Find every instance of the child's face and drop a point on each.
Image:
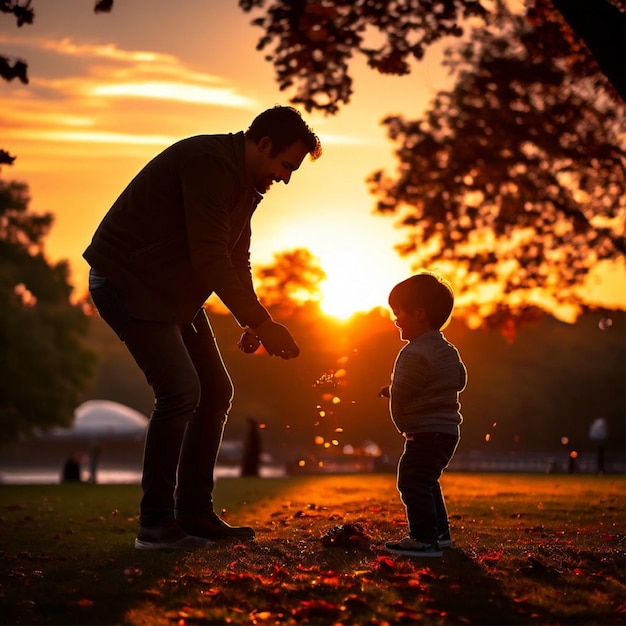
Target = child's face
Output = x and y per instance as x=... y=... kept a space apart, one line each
x=409 y=323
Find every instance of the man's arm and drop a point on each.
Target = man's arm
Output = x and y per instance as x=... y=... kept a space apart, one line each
x=209 y=191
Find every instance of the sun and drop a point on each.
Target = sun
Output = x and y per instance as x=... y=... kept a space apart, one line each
x=341 y=298
x=358 y=258
x=357 y=281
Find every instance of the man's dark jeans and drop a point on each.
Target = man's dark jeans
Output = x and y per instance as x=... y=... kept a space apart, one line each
x=193 y=394
x=425 y=456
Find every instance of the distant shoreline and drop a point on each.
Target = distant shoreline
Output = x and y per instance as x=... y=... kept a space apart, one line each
x=111 y=476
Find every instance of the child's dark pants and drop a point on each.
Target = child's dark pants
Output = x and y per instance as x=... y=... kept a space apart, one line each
x=425 y=456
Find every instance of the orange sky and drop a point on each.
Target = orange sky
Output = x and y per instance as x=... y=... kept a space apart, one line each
x=109 y=91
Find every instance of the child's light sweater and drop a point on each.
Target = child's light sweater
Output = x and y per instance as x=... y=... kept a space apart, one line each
x=427 y=378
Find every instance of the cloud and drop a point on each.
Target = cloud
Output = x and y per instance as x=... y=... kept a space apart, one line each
x=93 y=137
x=92 y=98
x=180 y=92
x=106 y=51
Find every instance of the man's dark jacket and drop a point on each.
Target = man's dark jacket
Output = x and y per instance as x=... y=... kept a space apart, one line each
x=181 y=231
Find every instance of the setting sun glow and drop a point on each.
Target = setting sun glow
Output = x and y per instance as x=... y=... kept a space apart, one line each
x=356 y=282
x=360 y=264
x=346 y=291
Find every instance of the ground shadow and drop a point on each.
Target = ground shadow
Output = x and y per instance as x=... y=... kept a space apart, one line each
x=477 y=596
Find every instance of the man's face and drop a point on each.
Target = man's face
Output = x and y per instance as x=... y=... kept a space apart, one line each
x=274 y=168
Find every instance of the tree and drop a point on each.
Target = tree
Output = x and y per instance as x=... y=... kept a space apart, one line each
x=515 y=177
x=10 y=69
x=292 y=280
x=43 y=362
x=315 y=40
x=24 y=13
x=601 y=26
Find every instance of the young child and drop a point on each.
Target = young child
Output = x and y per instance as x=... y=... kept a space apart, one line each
x=427 y=378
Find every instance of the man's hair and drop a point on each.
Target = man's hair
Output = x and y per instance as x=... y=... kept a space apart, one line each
x=427 y=291
x=284 y=126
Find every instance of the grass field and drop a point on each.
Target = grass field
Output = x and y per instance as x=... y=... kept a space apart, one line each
x=530 y=549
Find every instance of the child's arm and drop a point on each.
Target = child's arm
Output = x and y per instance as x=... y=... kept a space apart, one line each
x=383 y=392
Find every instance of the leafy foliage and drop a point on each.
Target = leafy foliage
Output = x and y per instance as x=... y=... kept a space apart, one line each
x=24 y=13
x=293 y=279
x=10 y=71
x=602 y=30
x=516 y=176
x=6 y=158
x=44 y=365
x=314 y=40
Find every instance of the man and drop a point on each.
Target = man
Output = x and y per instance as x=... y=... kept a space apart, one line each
x=179 y=232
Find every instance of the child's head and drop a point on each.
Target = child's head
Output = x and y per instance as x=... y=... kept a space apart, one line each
x=425 y=291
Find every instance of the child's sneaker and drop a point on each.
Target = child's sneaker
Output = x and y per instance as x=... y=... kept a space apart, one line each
x=444 y=540
x=412 y=547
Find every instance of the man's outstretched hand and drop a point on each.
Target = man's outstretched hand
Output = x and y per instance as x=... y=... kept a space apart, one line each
x=277 y=340
x=248 y=342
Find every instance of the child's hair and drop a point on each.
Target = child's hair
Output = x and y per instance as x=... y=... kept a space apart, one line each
x=427 y=291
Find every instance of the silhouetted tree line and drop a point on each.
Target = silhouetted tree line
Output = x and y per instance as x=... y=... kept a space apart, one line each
x=44 y=363
x=551 y=382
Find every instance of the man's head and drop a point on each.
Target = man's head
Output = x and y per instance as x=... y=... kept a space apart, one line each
x=284 y=126
x=424 y=299
x=276 y=143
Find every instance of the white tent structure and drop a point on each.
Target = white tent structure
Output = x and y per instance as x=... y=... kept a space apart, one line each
x=106 y=439
x=104 y=419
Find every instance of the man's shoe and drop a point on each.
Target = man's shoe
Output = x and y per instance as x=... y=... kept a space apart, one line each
x=213 y=528
x=412 y=547
x=444 y=540
x=167 y=535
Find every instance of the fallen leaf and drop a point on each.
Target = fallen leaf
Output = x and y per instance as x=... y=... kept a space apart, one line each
x=384 y=562
x=345 y=536
x=355 y=602
x=302 y=568
x=212 y=591
x=317 y=608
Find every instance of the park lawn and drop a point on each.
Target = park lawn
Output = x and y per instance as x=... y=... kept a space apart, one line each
x=530 y=549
